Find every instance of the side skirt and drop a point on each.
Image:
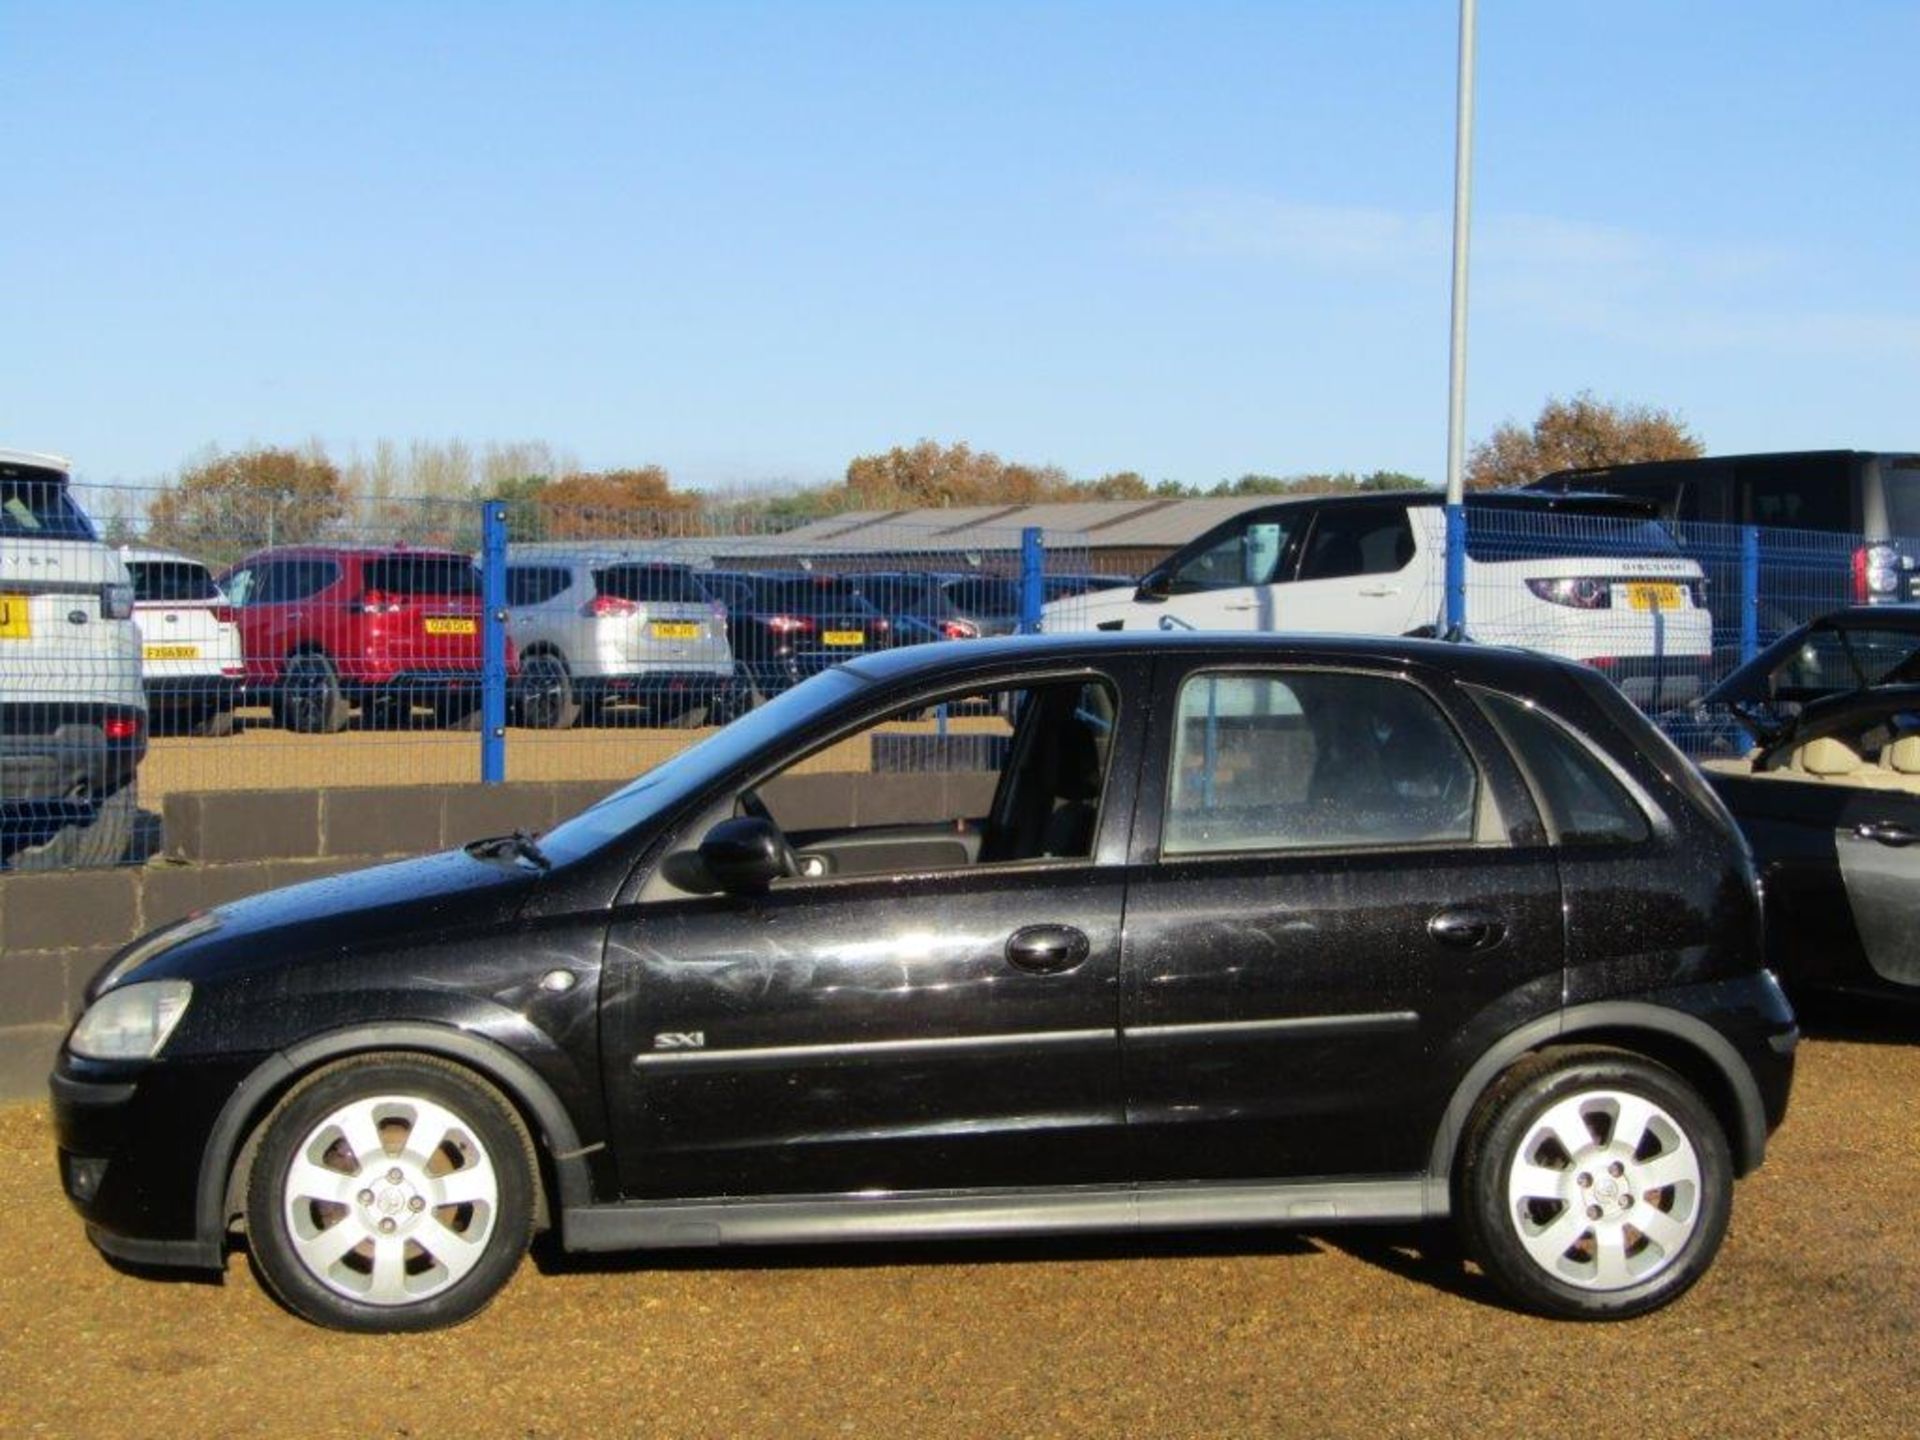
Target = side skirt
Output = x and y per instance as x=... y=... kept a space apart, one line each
x=975 y=1214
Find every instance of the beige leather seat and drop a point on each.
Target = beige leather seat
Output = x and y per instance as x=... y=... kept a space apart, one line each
x=1826 y=758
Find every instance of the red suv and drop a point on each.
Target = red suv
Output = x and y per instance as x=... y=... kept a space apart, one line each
x=326 y=627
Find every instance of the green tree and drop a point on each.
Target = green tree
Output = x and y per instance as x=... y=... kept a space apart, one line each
x=227 y=504
x=1578 y=434
x=1342 y=482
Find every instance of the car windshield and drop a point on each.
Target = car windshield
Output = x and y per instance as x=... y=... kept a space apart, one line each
x=35 y=503
x=1829 y=661
x=674 y=781
x=806 y=594
x=1498 y=531
x=1900 y=475
x=422 y=575
x=165 y=581
x=985 y=597
x=660 y=584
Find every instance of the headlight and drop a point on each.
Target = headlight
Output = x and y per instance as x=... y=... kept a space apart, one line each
x=131 y=1023
x=165 y=938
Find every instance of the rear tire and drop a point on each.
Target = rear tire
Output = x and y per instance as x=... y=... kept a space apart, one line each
x=310 y=701
x=1594 y=1184
x=391 y=1193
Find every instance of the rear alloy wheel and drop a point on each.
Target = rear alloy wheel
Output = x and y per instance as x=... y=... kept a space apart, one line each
x=310 y=702
x=1597 y=1185
x=546 y=694
x=391 y=1193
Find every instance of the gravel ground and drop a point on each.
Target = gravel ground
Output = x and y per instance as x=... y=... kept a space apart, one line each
x=1806 y=1326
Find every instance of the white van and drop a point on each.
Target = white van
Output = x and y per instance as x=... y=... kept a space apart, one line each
x=73 y=716
x=1590 y=578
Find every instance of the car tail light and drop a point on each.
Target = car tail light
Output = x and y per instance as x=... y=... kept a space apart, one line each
x=882 y=624
x=378 y=602
x=959 y=630
x=1876 y=575
x=1697 y=593
x=122 y=727
x=222 y=614
x=719 y=612
x=789 y=624
x=1581 y=592
x=603 y=607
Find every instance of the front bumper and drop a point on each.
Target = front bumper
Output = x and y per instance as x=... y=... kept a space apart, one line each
x=132 y=1142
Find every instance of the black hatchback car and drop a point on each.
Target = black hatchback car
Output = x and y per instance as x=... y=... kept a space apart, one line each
x=1192 y=930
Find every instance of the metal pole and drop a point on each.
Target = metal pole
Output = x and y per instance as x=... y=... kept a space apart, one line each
x=1456 y=599
x=1033 y=569
x=493 y=642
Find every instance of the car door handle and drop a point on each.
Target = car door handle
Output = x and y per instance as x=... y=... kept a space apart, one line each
x=1047 y=949
x=1886 y=832
x=1380 y=591
x=1466 y=929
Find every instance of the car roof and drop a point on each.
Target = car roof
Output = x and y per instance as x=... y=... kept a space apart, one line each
x=37 y=460
x=355 y=552
x=1496 y=664
x=1506 y=499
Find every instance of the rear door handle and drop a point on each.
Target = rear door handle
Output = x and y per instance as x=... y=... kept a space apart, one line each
x=1382 y=590
x=1047 y=949
x=1886 y=832
x=1467 y=929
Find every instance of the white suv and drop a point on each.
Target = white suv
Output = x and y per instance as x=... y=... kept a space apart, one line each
x=190 y=653
x=73 y=718
x=1590 y=578
x=597 y=627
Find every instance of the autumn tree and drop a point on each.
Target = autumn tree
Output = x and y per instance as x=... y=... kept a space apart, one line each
x=1578 y=434
x=226 y=504
x=615 y=505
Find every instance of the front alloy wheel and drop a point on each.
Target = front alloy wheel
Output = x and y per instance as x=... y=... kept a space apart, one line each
x=391 y=1194
x=1597 y=1185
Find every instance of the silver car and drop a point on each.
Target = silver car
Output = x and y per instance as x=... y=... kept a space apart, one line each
x=601 y=628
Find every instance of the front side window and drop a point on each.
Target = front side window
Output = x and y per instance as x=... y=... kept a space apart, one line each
x=1252 y=552
x=1314 y=760
x=1582 y=801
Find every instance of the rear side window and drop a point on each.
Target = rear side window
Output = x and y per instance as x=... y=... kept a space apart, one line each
x=1900 y=478
x=1799 y=492
x=1314 y=760
x=421 y=575
x=1582 y=802
x=167 y=581
x=284 y=580
x=534 y=584
x=35 y=503
x=659 y=584
x=1357 y=540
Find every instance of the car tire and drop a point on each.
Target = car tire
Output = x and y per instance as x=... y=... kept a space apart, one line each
x=102 y=840
x=1594 y=1184
x=547 y=700
x=310 y=701
x=343 y=1242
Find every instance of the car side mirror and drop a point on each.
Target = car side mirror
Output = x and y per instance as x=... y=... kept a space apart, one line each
x=746 y=854
x=1153 y=586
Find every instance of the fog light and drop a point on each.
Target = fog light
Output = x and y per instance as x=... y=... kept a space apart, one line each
x=81 y=1176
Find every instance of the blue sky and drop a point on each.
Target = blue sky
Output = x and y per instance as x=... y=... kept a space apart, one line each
x=750 y=241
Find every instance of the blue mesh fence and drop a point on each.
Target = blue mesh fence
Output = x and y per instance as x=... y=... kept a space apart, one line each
x=155 y=646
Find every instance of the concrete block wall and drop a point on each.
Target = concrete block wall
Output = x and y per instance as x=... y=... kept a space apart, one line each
x=57 y=930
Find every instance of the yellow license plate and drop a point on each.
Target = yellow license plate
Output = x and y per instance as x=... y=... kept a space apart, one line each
x=845 y=637
x=15 y=622
x=447 y=625
x=1653 y=597
x=675 y=630
x=171 y=652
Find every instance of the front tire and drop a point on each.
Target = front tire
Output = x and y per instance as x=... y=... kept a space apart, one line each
x=1594 y=1185
x=390 y=1193
x=310 y=701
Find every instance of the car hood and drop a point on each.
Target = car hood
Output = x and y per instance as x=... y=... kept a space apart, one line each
x=1097 y=609
x=436 y=894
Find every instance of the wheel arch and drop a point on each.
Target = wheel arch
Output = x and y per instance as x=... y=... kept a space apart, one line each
x=1688 y=1046
x=563 y=1183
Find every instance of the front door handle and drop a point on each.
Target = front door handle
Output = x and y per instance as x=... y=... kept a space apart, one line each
x=1378 y=591
x=1887 y=832
x=1467 y=929
x=1047 y=949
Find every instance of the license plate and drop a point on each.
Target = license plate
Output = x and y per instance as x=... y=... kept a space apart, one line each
x=844 y=638
x=675 y=630
x=171 y=652
x=447 y=625
x=1653 y=597
x=15 y=623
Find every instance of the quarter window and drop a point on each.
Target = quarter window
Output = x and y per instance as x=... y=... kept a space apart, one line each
x=1314 y=760
x=1583 y=803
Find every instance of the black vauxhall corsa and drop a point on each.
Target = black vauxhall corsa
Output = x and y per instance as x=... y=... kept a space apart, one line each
x=1190 y=930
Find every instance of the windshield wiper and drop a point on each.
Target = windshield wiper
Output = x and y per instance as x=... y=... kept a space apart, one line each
x=520 y=844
